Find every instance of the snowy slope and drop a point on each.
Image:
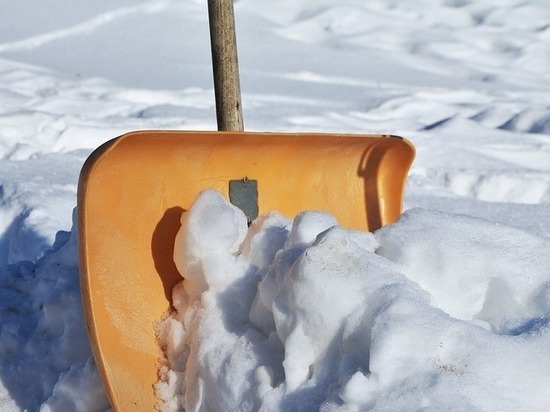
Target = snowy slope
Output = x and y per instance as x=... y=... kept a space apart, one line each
x=466 y=81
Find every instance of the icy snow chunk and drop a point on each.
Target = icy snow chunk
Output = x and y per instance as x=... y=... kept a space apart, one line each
x=306 y=227
x=266 y=236
x=212 y=231
x=329 y=283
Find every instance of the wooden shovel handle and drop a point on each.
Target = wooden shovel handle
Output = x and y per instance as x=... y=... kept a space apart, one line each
x=225 y=65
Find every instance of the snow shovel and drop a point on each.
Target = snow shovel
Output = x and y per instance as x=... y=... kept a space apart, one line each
x=133 y=190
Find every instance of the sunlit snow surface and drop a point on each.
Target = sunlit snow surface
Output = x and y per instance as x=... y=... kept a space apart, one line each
x=458 y=307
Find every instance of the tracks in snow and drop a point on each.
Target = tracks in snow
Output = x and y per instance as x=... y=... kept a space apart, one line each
x=84 y=27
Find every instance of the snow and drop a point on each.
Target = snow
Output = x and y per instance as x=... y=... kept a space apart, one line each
x=436 y=311
x=447 y=309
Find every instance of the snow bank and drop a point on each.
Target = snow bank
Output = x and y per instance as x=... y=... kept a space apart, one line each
x=45 y=355
x=437 y=311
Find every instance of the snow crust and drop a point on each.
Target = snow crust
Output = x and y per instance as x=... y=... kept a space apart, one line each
x=434 y=312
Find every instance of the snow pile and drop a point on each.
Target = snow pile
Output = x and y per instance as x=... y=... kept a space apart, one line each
x=437 y=311
x=44 y=347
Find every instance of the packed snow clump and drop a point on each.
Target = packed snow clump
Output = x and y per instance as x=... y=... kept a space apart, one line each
x=436 y=312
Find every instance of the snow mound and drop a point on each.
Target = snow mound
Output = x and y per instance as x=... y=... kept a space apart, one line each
x=45 y=356
x=436 y=311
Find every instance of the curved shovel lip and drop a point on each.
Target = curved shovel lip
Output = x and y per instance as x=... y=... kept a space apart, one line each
x=85 y=290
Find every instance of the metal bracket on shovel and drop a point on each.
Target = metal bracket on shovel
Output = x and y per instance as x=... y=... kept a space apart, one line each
x=243 y=193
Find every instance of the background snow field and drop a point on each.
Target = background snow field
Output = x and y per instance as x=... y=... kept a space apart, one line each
x=447 y=309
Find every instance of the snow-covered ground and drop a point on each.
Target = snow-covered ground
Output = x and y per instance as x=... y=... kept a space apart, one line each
x=467 y=81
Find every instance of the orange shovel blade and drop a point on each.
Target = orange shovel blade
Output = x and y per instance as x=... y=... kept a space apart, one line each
x=132 y=192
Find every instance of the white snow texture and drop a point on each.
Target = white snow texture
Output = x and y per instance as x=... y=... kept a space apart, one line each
x=445 y=310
